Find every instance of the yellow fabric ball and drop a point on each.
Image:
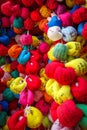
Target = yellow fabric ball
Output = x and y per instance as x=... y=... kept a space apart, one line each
x=50 y=54
x=63 y=94
x=74 y=48
x=47 y=40
x=34 y=117
x=18 y=85
x=79 y=65
x=45 y=12
x=70 y=3
x=35 y=41
x=52 y=86
x=7 y=68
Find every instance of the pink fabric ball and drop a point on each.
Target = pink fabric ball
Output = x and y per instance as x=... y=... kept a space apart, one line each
x=66 y=19
x=26 y=97
x=61 y=8
x=24 y=13
x=26 y=39
x=44 y=47
x=5 y=22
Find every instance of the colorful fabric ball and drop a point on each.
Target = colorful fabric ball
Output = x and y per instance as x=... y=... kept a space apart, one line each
x=66 y=116
x=65 y=75
x=8 y=95
x=33 y=82
x=79 y=90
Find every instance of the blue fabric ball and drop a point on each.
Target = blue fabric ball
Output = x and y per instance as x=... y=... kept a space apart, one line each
x=4 y=105
x=23 y=57
x=80 y=28
x=5 y=40
x=10 y=33
x=75 y=7
x=55 y=22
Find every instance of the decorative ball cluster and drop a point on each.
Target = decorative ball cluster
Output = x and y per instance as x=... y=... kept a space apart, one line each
x=43 y=64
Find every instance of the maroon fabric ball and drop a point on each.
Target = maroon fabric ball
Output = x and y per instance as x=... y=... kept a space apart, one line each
x=28 y=2
x=28 y=24
x=3 y=50
x=14 y=65
x=13 y=105
x=1 y=72
x=52 y=4
x=43 y=106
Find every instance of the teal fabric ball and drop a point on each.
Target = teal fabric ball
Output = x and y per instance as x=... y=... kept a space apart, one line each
x=3 y=118
x=15 y=74
x=8 y=95
x=60 y=52
x=18 y=22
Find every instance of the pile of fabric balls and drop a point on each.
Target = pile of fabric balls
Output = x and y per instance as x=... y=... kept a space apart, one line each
x=43 y=64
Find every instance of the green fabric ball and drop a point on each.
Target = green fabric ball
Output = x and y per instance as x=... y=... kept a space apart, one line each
x=83 y=121
x=18 y=22
x=3 y=117
x=8 y=95
x=15 y=74
x=2 y=61
x=60 y=52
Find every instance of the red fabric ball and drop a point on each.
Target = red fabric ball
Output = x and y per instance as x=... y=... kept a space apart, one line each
x=79 y=90
x=3 y=50
x=6 y=8
x=52 y=4
x=35 y=16
x=25 y=13
x=43 y=106
x=14 y=65
x=5 y=22
x=35 y=55
x=17 y=121
x=28 y=2
x=13 y=105
x=65 y=76
x=1 y=72
x=78 y=16
x=40 y=2
x=53 y=110
x=32 y=67
x=44 y=47
x=51 y=67
x=68 y=114
x=16 y=10
x=33 y=82
x=28 y=24
x=84 y=31
x=21 y=68
x=2 y=86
